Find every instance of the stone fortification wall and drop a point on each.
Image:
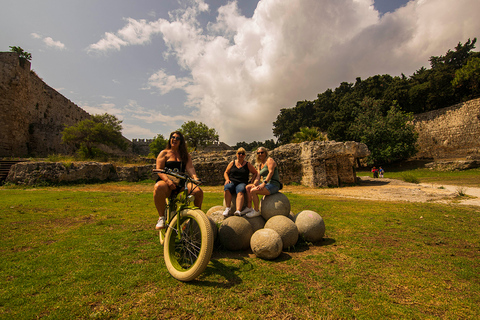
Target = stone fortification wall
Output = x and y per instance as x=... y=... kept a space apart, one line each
x=141 y=146
x=32 y=113
x=314 y=164
x=451 y=132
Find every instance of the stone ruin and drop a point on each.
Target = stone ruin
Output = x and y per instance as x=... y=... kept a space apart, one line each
x=313 y=164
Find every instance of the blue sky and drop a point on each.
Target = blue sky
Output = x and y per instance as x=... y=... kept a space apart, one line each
x=231 y=65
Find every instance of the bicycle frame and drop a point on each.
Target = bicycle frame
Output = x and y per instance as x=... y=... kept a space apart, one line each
x=181 y=200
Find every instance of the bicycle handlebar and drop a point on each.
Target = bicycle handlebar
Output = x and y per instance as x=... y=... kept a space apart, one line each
x=177 y=174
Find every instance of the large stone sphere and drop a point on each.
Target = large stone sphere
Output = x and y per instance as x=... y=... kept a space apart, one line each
x=235 y=233
x=286 y=229
x=217 y=216
x=266 y=244
x=233 y=205
x=276 y=204
x=213 y=224
x=311 y=226
x=257 y=223
x=214 y=209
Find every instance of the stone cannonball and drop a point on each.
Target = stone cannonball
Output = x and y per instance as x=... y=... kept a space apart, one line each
x=257 y=223
x=217 y=216
x=214 y=228
x=286 y=229
x=214 y=209
x=235 y=233
x=276 y=204
x=311 y=226
x=266 y=244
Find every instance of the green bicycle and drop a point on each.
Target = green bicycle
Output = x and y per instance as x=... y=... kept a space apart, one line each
x=187 y=238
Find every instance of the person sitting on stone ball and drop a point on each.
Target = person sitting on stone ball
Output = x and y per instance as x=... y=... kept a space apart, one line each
x=268 y=170
x=236 y=179
x=175 y=156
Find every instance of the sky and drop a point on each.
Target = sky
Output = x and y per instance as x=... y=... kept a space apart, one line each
x=231 y=65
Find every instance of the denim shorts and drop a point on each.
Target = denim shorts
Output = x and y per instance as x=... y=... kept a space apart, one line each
x=272 y=188
x=235 y=188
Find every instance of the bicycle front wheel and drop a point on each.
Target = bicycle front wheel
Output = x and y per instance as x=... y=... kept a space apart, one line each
x=188 y=250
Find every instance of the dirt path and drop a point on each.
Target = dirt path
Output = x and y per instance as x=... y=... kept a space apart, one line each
x=385 y=189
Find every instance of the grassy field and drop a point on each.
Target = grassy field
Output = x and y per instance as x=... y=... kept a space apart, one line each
x=467 y=178
x=91 y=252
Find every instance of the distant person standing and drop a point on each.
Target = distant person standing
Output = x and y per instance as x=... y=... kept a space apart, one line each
x=380 y=172
x=375 y=172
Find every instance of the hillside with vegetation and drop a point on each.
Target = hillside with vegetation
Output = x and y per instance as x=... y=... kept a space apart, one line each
x=377 y=111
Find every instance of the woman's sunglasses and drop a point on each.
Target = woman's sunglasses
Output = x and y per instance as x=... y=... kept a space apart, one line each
x=176 y=138
x=241 y=153
x=260 y=152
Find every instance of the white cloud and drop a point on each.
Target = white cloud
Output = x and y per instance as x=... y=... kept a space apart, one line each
x=166 y=83
x=244 y=70
x=49 y=42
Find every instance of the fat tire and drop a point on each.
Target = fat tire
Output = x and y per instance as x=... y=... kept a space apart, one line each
x=161 y=235
x=194 y=223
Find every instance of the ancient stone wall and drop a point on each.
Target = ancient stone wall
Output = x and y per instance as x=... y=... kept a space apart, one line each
x=32 y=113
x=452 y=132
x=314 y=164
x=141 y=146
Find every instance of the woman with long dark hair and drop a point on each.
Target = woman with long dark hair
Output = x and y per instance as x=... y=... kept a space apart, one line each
x=174 y=156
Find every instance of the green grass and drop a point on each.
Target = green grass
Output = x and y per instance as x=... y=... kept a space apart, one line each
x=467 y=178
x=91 y=252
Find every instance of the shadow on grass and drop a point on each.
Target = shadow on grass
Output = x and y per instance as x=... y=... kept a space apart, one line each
x=229 y=273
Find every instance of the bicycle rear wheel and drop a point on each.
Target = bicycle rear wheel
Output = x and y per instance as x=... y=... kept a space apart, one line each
x=187 y=251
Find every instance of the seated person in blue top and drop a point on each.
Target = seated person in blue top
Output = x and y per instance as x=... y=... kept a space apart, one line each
x=236 y=179
x=268 y=170
x=175 y=156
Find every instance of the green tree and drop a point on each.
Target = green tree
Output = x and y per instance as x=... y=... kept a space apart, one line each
x=87 y=134
x=308 y=134
x=389 y=138
x=21 y=53
x=198 y=134
x=469 y=78
x=158 y=144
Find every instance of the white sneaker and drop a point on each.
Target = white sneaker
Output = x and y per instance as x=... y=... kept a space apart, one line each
x=237 y=213
x=253 y=214
x=160 y=223
x=226 y=212
x=246 y=210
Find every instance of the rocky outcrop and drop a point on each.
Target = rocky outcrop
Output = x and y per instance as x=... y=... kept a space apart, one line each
x=314 y=164
x=34 y=173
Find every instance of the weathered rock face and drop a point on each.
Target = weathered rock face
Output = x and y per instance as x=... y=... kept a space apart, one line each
x=314 y=164
x=31 y=173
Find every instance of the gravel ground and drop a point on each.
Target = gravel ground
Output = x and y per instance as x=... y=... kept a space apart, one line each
x=385 y=189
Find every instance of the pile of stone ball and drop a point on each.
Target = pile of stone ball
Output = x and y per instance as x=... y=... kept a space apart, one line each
x=277 y=229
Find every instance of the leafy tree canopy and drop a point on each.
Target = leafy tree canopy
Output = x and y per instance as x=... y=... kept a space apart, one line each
x=158 y=144
x=451 y=79
x=87 y=134
x=198 y=134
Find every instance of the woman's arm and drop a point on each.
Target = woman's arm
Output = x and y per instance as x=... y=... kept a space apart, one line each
x=227 y=172
x=160 y=164
x=191 y=169
x=253 y=171
x=271 y=169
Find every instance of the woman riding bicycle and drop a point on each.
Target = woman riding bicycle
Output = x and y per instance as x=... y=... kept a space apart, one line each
x=175 y=156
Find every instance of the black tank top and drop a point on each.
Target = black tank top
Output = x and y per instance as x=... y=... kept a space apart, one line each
x=179 y=165
x=239 y=175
